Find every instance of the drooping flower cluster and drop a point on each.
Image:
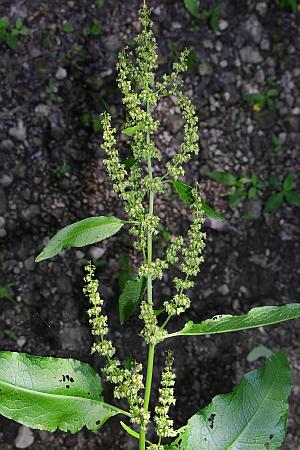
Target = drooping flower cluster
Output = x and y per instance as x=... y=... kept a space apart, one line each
x=128 y=382
x=151 y=332
x=165 y=425
x=193 y=258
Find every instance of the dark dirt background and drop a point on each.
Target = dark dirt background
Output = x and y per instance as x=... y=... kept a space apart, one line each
x=52 y=85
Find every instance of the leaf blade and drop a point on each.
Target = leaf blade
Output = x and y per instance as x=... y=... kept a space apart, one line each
x=254 y=415
x=34 y=392
x=130 y=298
x=256 y=317
x=85 y=232
x=293 y=198
x=184 y=192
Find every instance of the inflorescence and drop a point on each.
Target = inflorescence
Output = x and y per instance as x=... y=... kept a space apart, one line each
x=135 y=185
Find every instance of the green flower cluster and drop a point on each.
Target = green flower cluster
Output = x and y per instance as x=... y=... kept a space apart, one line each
x=128 y=382
x=151 y=332
x=165 y=425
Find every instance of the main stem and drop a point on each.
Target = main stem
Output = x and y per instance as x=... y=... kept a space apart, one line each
x=142 y=442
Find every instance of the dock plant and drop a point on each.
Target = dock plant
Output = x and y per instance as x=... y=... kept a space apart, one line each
x=50 y=393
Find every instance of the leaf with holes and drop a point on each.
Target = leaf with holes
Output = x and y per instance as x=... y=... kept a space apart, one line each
x=130 y=298
x=256 y=317
x=184 y=192
x=51 y=393
x=79 y=234
x=252 y=417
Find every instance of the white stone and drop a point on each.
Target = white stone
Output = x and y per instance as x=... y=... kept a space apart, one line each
x=61 y=74
x=25 y=438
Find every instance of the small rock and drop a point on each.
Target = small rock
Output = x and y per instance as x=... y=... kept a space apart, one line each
x=25 y=438
x=223 y=290
x=2 y=222
x=205 y=70
x=3 y=201
x=253 y=29
x=61 y=74
x=19 y=132
x=223 y=24
x=43 y=110
x=253 y=207
x=250 y=55
x=96 y=253
x=176 y=124
x=6 y=180
x=265 y=119
x=292 y=124
x=7 y=145
x=21 y=341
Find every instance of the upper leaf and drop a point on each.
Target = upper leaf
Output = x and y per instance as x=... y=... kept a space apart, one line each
x=130 y=131
x=51 y=393
x=184 y=192
x=256 y=317
x=130 y=298
x=79 y=234
x=252 y=417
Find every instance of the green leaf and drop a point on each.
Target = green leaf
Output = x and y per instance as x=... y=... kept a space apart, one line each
x=223 y=178
x=129 y=430
x=4 y=23
x=235 y=197
x=214 y=19
x=85 y=232
x=255 y=98
x=289 y=183
x=273 y=203
x=256 y=317
x=293 y=198
x=130 y=131
x=259 y=352
x=275 y=183
x=252 y=193
x=130 y=298
x=192 y=7
x=129 y=162
x=273 y=92
x=51 y=393
x=68 y=27
x=252 y=417
x=184 y=192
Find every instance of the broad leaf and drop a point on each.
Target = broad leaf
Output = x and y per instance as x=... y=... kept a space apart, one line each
x=289 y=182
x=51 y=393
x=79 y=234
x=223 y=178
x=184 y=192
x=252 y=417
x=293 y=198
x=273 y=203
x=130 y=298
x=256 y=317
x=130 y=131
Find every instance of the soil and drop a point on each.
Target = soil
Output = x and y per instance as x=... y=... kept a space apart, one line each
x=53 y=86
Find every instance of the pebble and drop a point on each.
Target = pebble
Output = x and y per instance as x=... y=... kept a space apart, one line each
x=223 y=290
x=96 y=253
x=250 y=55
x=43 y=110
x=205 y=70
x=7 y=145
x=2 y=222
x=19 y=132
x=25 y=438
x=223 y=24
x=61 y=74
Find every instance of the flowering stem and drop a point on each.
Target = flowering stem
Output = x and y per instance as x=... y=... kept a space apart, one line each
x=142 y=443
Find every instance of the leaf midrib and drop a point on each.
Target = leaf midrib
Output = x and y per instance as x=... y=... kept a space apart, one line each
x=253 y=415
x=41 y=394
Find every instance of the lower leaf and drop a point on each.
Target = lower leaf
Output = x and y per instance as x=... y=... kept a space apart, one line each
x=252 y=417
x=51 y=393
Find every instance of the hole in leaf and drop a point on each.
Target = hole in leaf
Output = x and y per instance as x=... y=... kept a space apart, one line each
x=267 y=445
x=211 y=419
x=98 y=422
x=72 y=380
x=271 y=436
x=67 y=386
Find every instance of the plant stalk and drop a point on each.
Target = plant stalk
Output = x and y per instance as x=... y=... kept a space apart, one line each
x=151 y=351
